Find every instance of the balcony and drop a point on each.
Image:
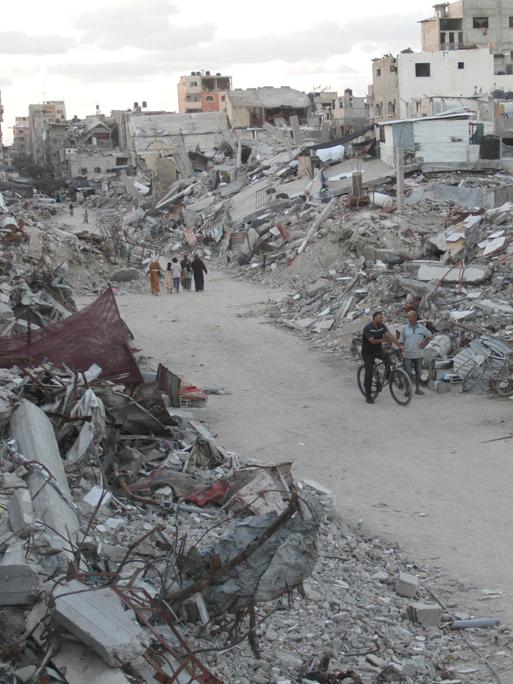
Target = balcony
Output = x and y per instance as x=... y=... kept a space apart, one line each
x=452 y=46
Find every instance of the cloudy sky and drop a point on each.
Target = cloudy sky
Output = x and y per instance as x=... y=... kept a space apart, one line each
x=115 y=52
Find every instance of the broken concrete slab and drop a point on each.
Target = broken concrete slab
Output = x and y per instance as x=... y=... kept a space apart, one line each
x=97 y=618
x=433 y=270
x=96 y=496
x=20 y=511
x=20 y=583
x=81 y=666
x=35 y=438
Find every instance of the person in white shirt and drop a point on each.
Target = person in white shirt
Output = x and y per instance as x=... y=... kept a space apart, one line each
x=176 y=269
x=414 y=337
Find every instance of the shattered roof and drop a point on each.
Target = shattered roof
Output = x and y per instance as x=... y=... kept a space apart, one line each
x=176 y=124
x=269 y=98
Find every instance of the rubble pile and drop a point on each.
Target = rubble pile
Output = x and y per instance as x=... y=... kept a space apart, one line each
x=135 y=547
x=307 y=215
x=34 y=291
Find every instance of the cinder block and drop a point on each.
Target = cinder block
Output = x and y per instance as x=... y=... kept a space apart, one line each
x=407 y=585
x=439 y=386
x=426 y=614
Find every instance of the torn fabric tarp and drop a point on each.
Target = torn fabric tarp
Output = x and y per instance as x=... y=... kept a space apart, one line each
x=97 y=334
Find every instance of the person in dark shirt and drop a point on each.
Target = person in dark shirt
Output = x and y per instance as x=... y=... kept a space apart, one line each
x=373 y=336
x=199 y=269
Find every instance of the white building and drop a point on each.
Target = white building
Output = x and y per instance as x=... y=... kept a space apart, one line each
x=450 y=141
x=402 y=84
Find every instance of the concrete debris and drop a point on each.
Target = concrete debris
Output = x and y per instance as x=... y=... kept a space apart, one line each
x=97 y=618
x=131 y=539
x=51 y=496
x=426 y=614
x=82 y=666
x=20 y=512
x=20 y=582
x=407 y=585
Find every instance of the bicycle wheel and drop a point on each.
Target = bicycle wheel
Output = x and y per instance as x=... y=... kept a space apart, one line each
x=377 y=382
x=400 y=387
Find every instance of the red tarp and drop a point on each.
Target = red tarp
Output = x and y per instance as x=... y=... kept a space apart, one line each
x=96 y=334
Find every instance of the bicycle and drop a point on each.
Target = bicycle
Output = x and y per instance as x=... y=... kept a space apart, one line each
x=397 y=379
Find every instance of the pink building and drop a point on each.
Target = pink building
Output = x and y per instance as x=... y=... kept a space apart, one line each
x=203 y=92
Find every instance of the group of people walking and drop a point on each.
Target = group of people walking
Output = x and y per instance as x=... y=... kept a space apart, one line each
x=179 y=274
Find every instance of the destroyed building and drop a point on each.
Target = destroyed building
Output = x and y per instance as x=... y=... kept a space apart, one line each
x=253 y=107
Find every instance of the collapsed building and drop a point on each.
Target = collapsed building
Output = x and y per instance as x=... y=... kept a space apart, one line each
x=133 y=545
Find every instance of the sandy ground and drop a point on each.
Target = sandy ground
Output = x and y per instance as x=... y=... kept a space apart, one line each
x=423 y=475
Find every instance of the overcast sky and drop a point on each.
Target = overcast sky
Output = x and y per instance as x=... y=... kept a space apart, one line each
x=115 y=52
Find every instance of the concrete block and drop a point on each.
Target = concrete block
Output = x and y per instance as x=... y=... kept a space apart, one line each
x=82 y=666
x=98 y=620
x=407 y=585
x=20 y=511
x=35 y=437
x=439 y=386
x=94 y=496
x=426 y=614
x=20 y=582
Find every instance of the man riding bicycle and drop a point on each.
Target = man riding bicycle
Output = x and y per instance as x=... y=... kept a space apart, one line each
x=373 y=336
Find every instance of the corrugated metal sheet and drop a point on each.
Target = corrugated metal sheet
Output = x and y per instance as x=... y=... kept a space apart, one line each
x=472 y=356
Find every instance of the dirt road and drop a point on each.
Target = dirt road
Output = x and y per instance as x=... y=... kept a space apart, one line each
x=422 y=475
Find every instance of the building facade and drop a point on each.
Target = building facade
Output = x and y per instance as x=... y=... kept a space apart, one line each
x=438 y=143
x=402 y=84
x=203 y=92
x=473 y=23
x=22 y=146
x=254 y=107
x=351 y=112
x=40 y=116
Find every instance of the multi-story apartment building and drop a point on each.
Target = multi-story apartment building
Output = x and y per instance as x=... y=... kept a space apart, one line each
x=472 y=23
x=22 y=146
x=351 y=112
x=40 y=116
x=203 y=92
x=401 y=85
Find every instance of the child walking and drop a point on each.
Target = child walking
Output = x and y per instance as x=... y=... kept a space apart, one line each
x=176 y=269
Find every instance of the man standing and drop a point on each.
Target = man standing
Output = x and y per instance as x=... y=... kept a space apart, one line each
x=86 y=216
x=374 y=334
x=414 y=337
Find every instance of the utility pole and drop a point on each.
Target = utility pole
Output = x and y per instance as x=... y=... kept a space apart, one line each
x=399 y=188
